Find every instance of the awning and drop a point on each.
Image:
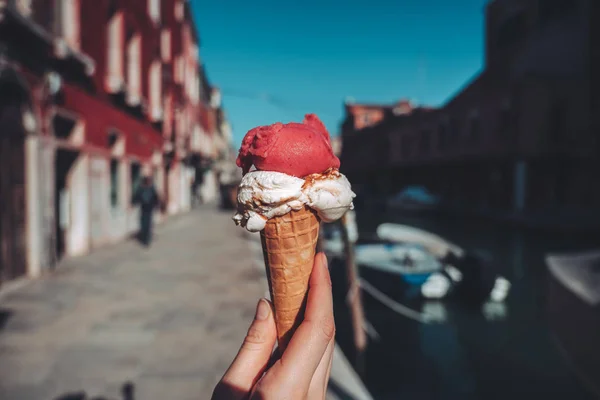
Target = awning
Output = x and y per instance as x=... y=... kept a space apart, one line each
x=141 y=138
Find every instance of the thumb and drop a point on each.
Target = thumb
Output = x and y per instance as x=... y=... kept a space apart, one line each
x=252 y=359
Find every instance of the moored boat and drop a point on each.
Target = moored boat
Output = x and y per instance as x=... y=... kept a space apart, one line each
x=425 y=260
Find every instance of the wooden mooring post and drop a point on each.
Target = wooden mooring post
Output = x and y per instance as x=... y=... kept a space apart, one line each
x=354 y=299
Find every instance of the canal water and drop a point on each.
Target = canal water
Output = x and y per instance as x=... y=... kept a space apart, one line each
x=492 y=351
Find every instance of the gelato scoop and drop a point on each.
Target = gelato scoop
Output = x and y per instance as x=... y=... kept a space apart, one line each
x=294 y=149
x=263 y=195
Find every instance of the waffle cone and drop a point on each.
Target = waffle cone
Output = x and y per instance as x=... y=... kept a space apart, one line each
x=289 y=245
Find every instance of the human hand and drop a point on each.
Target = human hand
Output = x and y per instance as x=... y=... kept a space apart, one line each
x=303 y=370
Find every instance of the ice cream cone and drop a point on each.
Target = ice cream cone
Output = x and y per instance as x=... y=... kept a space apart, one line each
x=289 y=245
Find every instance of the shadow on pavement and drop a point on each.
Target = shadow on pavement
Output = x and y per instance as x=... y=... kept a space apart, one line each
x=127 y=392
x=226 y=392
x=137 y=236
x=5 y=315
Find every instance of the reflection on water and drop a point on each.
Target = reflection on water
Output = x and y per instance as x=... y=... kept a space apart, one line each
x=494 y=311
x=441 y=345
x=435 y=311
x=491 y=350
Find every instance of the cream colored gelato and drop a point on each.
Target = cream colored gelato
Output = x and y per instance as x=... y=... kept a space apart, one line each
x=263 y=195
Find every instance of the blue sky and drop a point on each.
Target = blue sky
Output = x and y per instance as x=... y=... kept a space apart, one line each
x=277 y=60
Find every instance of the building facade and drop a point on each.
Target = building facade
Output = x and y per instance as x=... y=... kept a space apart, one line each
x=520 y=137
x=93 y=96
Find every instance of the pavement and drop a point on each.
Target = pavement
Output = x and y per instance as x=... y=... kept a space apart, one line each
x=162 y=322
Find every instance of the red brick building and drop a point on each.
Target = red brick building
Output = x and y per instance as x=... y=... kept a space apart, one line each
x=521 y=136
x=93 y=95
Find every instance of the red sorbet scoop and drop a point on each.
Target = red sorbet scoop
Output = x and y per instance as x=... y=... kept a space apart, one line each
x=294 y=149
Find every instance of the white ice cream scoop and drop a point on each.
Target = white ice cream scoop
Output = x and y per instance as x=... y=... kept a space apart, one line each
x=263 y=195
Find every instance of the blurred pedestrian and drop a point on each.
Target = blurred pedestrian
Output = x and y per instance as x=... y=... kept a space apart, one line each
x=197 y=182
x=148 y=199
x=196 y=190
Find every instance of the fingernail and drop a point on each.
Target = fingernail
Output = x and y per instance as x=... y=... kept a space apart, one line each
x=325 y=266
x=262 y=310
x=323 y=260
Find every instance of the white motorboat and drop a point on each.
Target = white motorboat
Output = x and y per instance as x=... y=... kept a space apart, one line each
x=422 y=258
x=413 y=262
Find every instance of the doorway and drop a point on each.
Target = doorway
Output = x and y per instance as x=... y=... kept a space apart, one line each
x=13 y=245
x=62 y=200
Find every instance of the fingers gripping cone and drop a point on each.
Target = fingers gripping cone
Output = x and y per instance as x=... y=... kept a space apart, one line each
x=289 y=245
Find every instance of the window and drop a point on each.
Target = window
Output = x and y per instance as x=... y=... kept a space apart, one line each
x=154 y=10
x=114 y=183
x=155 y=83
x=196 y=139
x=165 y=45
x=179 y=10
x=195 y=52
x=68 y=22
x=195 y=87
x=112 y=139
x=135 y=171
x=114 y=78
x=178 y=69
x=134 y=76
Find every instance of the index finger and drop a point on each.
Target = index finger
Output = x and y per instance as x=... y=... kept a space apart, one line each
x=308 y=344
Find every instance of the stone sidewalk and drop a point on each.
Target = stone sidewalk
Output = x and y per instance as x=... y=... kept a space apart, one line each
x=168 y=319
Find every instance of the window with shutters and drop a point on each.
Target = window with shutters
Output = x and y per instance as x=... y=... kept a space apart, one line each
x=179 y=68
x=115 y=64
x=68 y=22
x=165 y=45
x=155 y=83
x=134 y=73
x=195 y=95
x=179 y=10
x=154 y=10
